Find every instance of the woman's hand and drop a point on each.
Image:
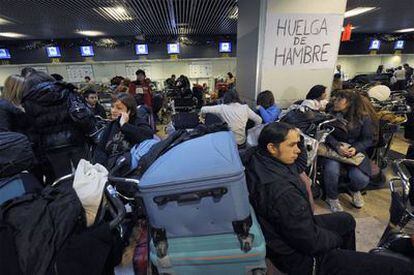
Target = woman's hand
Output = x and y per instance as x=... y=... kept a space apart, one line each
x=351 y=152
x=124 y=118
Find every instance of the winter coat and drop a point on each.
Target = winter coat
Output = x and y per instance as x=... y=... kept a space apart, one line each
x=136 y=87
x=361 y=136
x=51 y=127
x=12 y=118
x=281 y=203
x=117 y=140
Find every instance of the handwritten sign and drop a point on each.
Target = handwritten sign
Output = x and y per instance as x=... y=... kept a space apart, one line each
x=305 y=41
x=77 y=73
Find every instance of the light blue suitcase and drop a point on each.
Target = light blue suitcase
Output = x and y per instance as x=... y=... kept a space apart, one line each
x=214 y=254
x=197 y=188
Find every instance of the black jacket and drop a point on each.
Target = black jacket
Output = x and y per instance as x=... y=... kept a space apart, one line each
x=12 y=118
x=51 y=127
x=361 y=136
x=282 y=206
x=116 y=140
x=40 y=224
x=98 y=110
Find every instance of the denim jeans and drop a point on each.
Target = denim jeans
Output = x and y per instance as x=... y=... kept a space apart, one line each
x=358 y=180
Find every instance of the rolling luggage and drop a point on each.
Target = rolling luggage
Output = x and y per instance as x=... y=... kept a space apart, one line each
x=16 y=154
x=213 y=254
x=185 y=121
x=186 y=195
x=18 y=185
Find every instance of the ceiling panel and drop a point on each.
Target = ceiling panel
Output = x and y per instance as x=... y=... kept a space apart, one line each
x=53 y=19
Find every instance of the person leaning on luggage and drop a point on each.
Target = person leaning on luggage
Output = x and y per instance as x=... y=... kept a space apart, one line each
x=126 y=130
x=296 y=239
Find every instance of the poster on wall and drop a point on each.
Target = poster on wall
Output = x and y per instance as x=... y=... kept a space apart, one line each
x=201 y=69
x=301 y=41
x=77 y=73
x=132 y=68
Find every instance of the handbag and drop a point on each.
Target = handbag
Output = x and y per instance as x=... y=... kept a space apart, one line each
x=327 y=152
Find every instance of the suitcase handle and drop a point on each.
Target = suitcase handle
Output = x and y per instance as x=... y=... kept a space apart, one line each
x=216 y=193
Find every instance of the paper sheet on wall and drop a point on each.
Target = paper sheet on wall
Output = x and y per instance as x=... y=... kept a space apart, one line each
x=301 y=41
x=200 y=69
x=77 y=73
x=132 y=68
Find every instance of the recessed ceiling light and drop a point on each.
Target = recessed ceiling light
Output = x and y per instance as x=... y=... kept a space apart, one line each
x=118 y=13
x=90 y=33
x=12 y=34
x=4 y=21
x=358 y=11
x=406 y=30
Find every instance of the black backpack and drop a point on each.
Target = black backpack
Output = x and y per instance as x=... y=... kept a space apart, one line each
x=16 y=154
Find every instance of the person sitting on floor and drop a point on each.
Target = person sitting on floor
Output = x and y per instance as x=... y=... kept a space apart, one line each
x=298 y=241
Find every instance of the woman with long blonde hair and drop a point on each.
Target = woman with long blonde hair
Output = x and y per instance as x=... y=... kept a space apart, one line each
x=11 y=113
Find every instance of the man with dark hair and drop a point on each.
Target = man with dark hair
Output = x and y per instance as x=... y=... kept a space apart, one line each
x=140 y=89
x=170 y=82
x=91 y=98
x=57 y=77
x=408 y=72
x=87 y=79
x=298 y=241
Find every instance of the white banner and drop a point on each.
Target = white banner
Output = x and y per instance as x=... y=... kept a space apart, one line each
x=77 y=73
x=301 y=41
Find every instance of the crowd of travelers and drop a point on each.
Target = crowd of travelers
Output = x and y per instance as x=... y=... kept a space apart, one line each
x=52 y=114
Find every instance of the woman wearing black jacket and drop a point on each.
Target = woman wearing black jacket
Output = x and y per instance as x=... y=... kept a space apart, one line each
x=126 y=130
x=362 y=131
x=11 y=113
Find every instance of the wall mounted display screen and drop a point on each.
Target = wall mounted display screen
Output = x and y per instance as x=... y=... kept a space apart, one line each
x=225 y=47
x=141 y=49
x=375 y=44
x=87 y=51
x=173 y=48
x=399 y=45
x=53 y=51
x=4 y=54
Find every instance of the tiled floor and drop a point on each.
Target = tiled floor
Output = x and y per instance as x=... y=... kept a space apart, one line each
x=373 y=217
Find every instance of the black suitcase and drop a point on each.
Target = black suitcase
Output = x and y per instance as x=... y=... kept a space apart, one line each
x=18 y=185
x=16 y=154
x=182 y=121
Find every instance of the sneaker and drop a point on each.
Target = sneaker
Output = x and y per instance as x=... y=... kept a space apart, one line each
x=335 y=205
x=357 y=199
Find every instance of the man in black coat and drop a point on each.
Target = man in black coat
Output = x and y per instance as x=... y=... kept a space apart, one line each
x=91 y=98
x=297 y=240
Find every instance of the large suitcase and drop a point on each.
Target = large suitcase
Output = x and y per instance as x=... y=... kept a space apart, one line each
x=197 y=188
x=214 y=254
x=18 y=185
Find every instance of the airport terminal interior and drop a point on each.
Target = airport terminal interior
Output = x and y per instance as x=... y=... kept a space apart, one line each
x=201 y=137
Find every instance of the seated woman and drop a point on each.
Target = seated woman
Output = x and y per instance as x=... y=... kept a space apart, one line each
x=362 y=128
x=316 y=98
x=126 y=130
x=267 y=108
x=234 y=114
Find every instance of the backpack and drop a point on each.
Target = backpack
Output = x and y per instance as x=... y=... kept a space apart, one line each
x=16 y=154
x=80 y=113
x=306 y=120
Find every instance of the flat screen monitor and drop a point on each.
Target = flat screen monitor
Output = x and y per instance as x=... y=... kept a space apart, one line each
x=225 y=47
x=87 y=51
x=173 y=48
x=399 y=45
x=4 y=54
x=375 y=44
x=141 y=49
x=53 y=51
